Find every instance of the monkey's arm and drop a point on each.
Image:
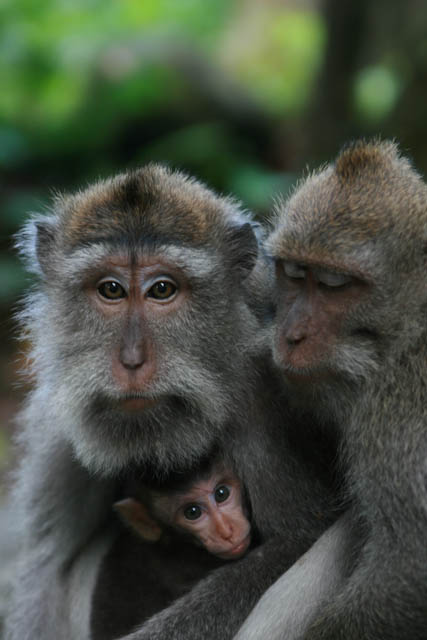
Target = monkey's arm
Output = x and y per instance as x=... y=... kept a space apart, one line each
x=219 y=604
x=290 y=605
x=382 y=599
x=61 y=507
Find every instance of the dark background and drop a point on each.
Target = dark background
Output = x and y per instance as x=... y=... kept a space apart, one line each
x=244 y=94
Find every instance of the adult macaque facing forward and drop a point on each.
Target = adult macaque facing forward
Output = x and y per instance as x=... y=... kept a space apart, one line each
x=351 y=338
x=148 y=353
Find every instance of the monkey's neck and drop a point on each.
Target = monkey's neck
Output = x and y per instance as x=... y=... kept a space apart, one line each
x=386 y=439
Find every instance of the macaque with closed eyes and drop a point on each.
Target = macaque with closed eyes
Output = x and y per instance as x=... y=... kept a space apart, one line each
x=208 y=507
x=350 y=336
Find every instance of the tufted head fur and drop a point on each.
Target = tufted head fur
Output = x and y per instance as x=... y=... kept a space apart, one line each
x=369 y=197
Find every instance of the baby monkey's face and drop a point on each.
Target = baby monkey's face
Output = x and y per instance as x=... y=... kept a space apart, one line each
x=212 y=511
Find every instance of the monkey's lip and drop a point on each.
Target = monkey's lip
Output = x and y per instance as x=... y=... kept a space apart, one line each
x=302 y=369
x=238 y=550
x=306 y=375
x=136 y=403
x=298 y=362
x=303 y=373
x=293 y=363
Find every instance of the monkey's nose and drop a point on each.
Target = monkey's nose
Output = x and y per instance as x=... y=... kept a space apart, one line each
x=294 y=338
x=132 y=356
x=225 y=530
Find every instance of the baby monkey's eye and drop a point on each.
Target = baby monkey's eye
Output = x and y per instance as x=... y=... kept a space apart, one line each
x=111 y=290
x=162 y=290
x=192 y=512
x=222 y=493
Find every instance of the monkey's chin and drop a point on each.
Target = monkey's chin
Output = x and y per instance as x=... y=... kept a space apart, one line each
x=303 y=376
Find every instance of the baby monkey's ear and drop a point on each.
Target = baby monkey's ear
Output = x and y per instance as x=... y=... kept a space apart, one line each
x=136 y=516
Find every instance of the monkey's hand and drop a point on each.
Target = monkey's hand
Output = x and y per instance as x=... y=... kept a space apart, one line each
x=219 y=604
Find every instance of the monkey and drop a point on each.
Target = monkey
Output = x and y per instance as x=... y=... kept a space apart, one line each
x=149 y=322
x=195 y=520
x=172 y=554
x=350 y=335
x=205 y=509
x=208 y=507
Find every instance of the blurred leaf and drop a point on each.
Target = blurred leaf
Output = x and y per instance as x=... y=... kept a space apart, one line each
x=191 y=144
x=13 y=147
x=257 y=187
x=280 y=63
x=12 y=279
x=376 y=91
x=59 y=97
x=17 y=206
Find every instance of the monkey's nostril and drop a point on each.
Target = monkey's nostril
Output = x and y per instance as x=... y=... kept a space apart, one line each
x=132 y=365
x=132 y=357
x=293 y=340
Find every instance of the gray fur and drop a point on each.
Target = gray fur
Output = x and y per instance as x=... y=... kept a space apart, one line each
x=292 y=603
x=377 y=386
x=217 y=388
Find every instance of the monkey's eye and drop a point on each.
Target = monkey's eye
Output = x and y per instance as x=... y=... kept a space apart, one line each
x=111 y=290
x=222 y=493
x=331 y=279
x=192 y=512
x=294 y=270
x=162 y=290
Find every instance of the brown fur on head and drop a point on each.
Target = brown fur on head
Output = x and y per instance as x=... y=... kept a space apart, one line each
x=152 y=201
x=362 y=197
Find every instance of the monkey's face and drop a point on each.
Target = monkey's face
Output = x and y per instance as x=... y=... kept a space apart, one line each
x=141 y=304
x=211 y=512
x=150 y=352
x=319 y=331
x=347 y=264
x=143 y=331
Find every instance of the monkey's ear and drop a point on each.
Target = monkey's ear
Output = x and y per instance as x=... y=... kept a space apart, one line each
x=45 y=234
x=243 y=243
x=135 y=515
x=36 y=243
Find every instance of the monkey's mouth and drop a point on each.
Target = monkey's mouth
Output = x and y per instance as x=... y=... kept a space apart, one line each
x=237 y=551
x=300 y=364
x=137 y=403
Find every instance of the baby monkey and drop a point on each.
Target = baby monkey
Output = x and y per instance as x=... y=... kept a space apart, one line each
x=207 y=506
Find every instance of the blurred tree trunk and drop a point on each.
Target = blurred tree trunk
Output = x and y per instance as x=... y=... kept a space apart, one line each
x=328 y=123
x=408 y=121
